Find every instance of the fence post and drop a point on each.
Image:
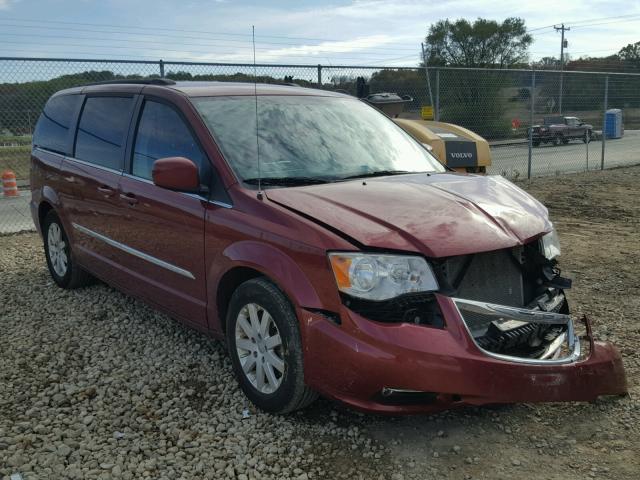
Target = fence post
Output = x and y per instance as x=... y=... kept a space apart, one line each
x=532 y=97
x=604 y=120
x=161 y=63
x=437 y=106
x=319 y=75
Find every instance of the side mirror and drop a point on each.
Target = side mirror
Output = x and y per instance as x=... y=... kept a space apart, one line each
x=176 y=173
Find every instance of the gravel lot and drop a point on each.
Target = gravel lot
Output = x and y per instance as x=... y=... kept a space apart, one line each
x=94 y=384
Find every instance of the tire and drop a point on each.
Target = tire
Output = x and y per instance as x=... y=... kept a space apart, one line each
x=282 y=389
x=588 y=136
x=565 y=140
x=536 y=143
x=557 y=140
x=57 y=249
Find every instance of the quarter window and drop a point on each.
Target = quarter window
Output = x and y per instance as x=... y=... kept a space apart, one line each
x=162 y=133
x=102 y=130
x=52 y=129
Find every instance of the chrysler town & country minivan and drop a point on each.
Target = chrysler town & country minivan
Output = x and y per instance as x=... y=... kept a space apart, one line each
x=329 y=248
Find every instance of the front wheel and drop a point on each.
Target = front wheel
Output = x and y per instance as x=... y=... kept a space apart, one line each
x=557 y=140
x=265 y=348
x=588 y=136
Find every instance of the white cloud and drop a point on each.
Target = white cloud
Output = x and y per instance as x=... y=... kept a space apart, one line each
x=319 y=51
x=403 y=24
x=5 y=4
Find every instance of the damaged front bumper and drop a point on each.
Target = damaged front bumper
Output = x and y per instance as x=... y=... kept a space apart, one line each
x=407 y=368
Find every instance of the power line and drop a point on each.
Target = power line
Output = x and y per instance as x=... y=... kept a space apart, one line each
x=630 y=15
x=154 y=35
x=388 y=60
x=364 y=51
x=606 y=23
x=155 y=29
x=538 y=28
x=576 y=53
x=577 y=22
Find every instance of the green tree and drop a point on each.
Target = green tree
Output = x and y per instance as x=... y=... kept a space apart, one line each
x=630 y=53
x=483 y=43
x=477 y=99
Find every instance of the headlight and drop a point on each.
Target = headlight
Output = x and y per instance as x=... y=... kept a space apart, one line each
x=550 y=245
x=380 y=277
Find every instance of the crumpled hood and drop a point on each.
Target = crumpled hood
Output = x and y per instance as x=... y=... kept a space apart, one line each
x=438 y=215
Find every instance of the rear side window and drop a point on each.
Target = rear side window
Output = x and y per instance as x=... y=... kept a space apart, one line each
x=102 y=131
x=52 y=129
x=162 y=133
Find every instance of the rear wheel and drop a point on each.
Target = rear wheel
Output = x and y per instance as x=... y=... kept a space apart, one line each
x=557 y=140
x=265 y=348
x=63 y=269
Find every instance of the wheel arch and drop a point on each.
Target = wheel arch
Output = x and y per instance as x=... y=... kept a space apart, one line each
x=249 y=259
x=49 y=200
x=228 y=284
x=43 y=209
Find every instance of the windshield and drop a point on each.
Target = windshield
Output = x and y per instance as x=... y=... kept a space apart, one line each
x=312 y=139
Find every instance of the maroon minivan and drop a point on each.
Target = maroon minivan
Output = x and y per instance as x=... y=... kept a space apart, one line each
x=330 y=248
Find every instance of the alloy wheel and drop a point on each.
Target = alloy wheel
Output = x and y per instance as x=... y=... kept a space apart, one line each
x=259 y=348
x=57 y=248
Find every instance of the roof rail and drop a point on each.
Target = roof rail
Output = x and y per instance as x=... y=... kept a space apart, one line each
x=148 y=81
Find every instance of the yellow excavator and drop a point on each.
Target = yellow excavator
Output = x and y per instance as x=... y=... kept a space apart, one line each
x=455 y=146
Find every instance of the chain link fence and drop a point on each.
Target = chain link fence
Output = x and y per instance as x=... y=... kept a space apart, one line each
x=500 y=105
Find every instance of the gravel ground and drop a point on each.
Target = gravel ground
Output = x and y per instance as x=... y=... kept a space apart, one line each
x=94 y=384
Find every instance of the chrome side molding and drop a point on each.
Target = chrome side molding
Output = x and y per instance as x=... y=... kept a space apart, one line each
x=134 y=252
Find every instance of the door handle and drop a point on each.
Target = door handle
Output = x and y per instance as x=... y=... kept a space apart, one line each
x=70 y=179
x=130 y=198
x=105 y=190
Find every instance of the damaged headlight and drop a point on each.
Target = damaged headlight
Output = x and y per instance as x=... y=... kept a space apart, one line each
x=550 y=245
x=381 y=277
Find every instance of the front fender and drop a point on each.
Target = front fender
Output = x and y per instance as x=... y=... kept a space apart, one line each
x=42 y=195
x=51 y=196
x=275 y=264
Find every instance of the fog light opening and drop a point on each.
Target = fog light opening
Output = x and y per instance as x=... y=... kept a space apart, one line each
x=403 y=396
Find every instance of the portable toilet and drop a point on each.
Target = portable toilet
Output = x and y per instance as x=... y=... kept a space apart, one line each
x=613 y=127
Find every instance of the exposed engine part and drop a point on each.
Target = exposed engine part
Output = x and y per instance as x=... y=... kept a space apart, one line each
x=522 y=334
x=512 y=337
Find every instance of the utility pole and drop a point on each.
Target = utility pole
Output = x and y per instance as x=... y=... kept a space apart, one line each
x=562 y=29
x=426 y=72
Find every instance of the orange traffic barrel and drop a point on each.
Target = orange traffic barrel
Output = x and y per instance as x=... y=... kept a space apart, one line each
x=9 y=184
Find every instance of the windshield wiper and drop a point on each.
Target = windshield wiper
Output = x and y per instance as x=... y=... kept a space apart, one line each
x=286 y=181
x=377 y=173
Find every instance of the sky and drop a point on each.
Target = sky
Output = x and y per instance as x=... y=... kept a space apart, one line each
x=330 y=32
